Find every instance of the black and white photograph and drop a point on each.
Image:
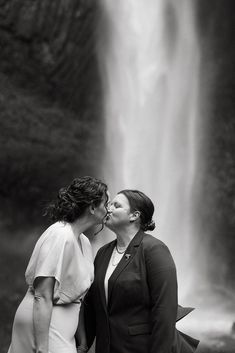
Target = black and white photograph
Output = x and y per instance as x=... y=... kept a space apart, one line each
x=117 y=176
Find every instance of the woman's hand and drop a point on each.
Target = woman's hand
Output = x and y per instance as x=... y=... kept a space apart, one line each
x=82 y=349
x=80 y=335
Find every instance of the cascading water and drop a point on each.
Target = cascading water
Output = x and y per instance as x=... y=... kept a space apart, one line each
x=149 y=60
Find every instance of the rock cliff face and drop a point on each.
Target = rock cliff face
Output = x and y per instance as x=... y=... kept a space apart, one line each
x=50 y=110
x=216 y=210
x=48 y=46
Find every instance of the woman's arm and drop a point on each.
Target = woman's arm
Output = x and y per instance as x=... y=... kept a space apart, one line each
x=90 y=309
x=81 y=339
x=162 y=283
x=42 y=310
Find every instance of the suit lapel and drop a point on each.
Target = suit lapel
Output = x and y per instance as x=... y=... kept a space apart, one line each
x=102 y=266
x=127 y=257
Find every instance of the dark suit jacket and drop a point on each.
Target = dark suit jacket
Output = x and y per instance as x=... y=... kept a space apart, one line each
x=142 y=301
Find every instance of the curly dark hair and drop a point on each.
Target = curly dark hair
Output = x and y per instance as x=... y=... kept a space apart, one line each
x=73 y=200
x=140 y=202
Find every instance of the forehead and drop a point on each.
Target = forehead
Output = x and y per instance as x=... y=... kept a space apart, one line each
x=122 y=199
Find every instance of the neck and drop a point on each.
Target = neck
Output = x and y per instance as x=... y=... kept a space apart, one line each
x=124 y=236
x=81 y=225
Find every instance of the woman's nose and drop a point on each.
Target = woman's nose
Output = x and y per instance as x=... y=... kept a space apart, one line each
x=110 y=208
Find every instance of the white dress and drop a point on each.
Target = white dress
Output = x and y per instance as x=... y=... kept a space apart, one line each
x=56 y=254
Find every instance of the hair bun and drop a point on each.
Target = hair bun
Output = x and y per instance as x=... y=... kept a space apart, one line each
x=150 y=225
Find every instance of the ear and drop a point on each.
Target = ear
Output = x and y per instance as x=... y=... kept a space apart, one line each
x=92 y=209
x=134 y=216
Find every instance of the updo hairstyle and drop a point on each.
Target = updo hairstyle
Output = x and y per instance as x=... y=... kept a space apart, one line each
x=140 y=202
x=72 y=201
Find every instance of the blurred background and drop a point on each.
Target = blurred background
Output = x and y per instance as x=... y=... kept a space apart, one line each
x=140 y=94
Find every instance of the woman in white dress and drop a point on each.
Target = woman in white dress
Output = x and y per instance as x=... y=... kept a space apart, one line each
x=60 y=272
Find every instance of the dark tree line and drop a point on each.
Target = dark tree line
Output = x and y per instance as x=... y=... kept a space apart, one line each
x=51 y=126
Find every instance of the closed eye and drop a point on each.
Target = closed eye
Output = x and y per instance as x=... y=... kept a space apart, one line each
x=115 y=204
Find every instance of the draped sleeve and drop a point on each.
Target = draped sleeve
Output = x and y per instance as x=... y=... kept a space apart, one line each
x=57 y=254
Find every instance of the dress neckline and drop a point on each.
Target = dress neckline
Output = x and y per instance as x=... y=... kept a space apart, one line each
x=78 y=238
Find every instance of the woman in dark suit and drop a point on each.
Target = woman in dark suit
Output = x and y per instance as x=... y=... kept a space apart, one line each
x=132 y=305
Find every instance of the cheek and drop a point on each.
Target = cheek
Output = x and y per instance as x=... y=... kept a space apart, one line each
x=100 y=214
x=104 y=210
x=114 y=214
x=117 y=216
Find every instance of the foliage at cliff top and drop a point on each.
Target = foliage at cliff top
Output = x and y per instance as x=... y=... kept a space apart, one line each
x=50 y=110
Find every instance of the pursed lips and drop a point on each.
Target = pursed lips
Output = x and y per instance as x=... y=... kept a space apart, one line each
x=108 y=216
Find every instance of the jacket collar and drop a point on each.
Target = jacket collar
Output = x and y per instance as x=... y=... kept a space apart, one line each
x=101 y=271
x=127 y=257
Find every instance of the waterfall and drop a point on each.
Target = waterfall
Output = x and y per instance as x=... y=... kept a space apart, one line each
x=149 y=59
x=149 y=62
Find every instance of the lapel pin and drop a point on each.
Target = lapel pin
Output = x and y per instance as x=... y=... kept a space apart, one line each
x=127 y=256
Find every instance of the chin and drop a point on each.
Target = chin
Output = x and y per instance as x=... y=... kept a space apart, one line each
x=108 y=224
